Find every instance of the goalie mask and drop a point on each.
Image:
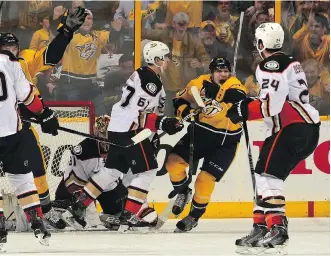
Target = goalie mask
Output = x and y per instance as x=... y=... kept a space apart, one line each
x=101 y=130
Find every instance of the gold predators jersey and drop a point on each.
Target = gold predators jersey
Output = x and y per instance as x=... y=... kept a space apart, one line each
x=213 y=116
x=80 y=57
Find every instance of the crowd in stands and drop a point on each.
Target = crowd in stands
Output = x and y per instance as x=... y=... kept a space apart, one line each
x=100 y=57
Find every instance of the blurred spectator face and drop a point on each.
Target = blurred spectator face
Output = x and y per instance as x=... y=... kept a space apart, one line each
x=220 y=76
x=312 y=71
x=306 y=7
x=11 y=48
x=58 y=11
x=76 y=4
x=208 y=34
x=260 y=19
x=223 y=7
x=321 y=6
x=87 y=26
x=160 y=26
x=126 y=67
x=259 y=5
x=45 y=23
x=316 y=31
x=180 y=29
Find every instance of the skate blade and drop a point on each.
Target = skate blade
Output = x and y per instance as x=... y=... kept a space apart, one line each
x=243 y=250
x=141 y=230
x=277 y=250
x=70 y=220
x=177 y=230
x=42 y=240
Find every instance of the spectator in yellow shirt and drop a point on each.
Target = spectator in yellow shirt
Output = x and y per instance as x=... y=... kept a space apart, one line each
x=41 y=37
x=316 y=44
x=318 y=79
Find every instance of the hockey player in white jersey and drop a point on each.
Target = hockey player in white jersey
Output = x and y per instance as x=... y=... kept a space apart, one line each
x=16 y=144
x=86 y=160
x=141 y=106
x=292 y=135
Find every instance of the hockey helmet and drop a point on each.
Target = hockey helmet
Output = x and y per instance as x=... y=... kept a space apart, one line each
x=9 y=39
x=271 y=35
x=219 y=63
x=155 y=49
x=101 y=130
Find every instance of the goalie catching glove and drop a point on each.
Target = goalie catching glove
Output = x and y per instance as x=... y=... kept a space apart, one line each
x=71 y=22
x=48 y=121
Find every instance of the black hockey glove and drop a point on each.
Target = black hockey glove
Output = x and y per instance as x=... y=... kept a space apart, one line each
x=71 y=22
x=48 y=121
x=170 y=125
x=238 y=112
x=211 y=89
x=178 y=102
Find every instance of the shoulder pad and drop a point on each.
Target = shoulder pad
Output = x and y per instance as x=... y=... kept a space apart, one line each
x=276 y=63
x=9 y=54
x=150 y=82
x=85 y=150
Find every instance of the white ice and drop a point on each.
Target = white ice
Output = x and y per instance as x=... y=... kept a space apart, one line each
x=309 y=236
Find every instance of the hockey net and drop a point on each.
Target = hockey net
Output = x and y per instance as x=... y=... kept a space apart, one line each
x=77 y=115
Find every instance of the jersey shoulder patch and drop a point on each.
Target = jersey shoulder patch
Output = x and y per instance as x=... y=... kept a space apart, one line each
x=276 y=63
x=85 y=150
x=9 y=54
x=150 y=82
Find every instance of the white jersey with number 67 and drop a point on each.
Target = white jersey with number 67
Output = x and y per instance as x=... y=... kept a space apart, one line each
x=284 y=96
x=142 y=94
x=14 y=87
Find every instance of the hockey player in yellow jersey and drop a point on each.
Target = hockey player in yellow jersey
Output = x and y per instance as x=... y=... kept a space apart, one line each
x=33 y=62
x=216 y=139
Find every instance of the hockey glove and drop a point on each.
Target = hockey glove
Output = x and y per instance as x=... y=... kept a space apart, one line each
x=182 y=107
x=238 y=112
x=71 y=22
x=48 y=121
x=211 y=89
x=170 y=125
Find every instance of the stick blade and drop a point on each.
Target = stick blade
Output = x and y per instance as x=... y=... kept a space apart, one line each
x=144 y=134
x=197 y=97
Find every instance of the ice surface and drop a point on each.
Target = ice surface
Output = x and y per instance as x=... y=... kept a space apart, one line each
x=309 y=236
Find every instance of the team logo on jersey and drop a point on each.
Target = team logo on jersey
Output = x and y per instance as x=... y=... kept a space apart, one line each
x=272 y=65
x=77 y=150
x=151 y=87
x=87 y=50
x=212 y=107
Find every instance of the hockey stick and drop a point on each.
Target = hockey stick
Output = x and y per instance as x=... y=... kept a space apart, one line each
x=237 y=43
x=199 y=101
x=144 y=134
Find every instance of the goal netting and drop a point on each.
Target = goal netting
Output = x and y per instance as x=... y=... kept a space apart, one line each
x=78 y=115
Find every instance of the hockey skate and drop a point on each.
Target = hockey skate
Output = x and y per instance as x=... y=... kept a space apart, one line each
x=75 y=215
x=3 y=234
x=111 y=222
x=244 y=244
x=186 y=224
x=274 y=242
x=130 y=221
x=39 y=228
x=54 y=220
x=183 y=198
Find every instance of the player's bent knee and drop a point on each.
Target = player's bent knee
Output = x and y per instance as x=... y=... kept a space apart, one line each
x=176 y=167
x=204 y=187
x=106 y=179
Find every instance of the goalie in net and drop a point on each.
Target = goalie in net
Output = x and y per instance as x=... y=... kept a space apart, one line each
x=86 y=161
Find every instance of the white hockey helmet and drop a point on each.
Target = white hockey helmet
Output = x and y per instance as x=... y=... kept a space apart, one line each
x=155 y=49
x=271 y=34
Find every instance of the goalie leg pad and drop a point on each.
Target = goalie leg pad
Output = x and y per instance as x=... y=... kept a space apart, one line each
x=204 y=187
x=176 y=167
x=138 y=190
x=26 y=193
